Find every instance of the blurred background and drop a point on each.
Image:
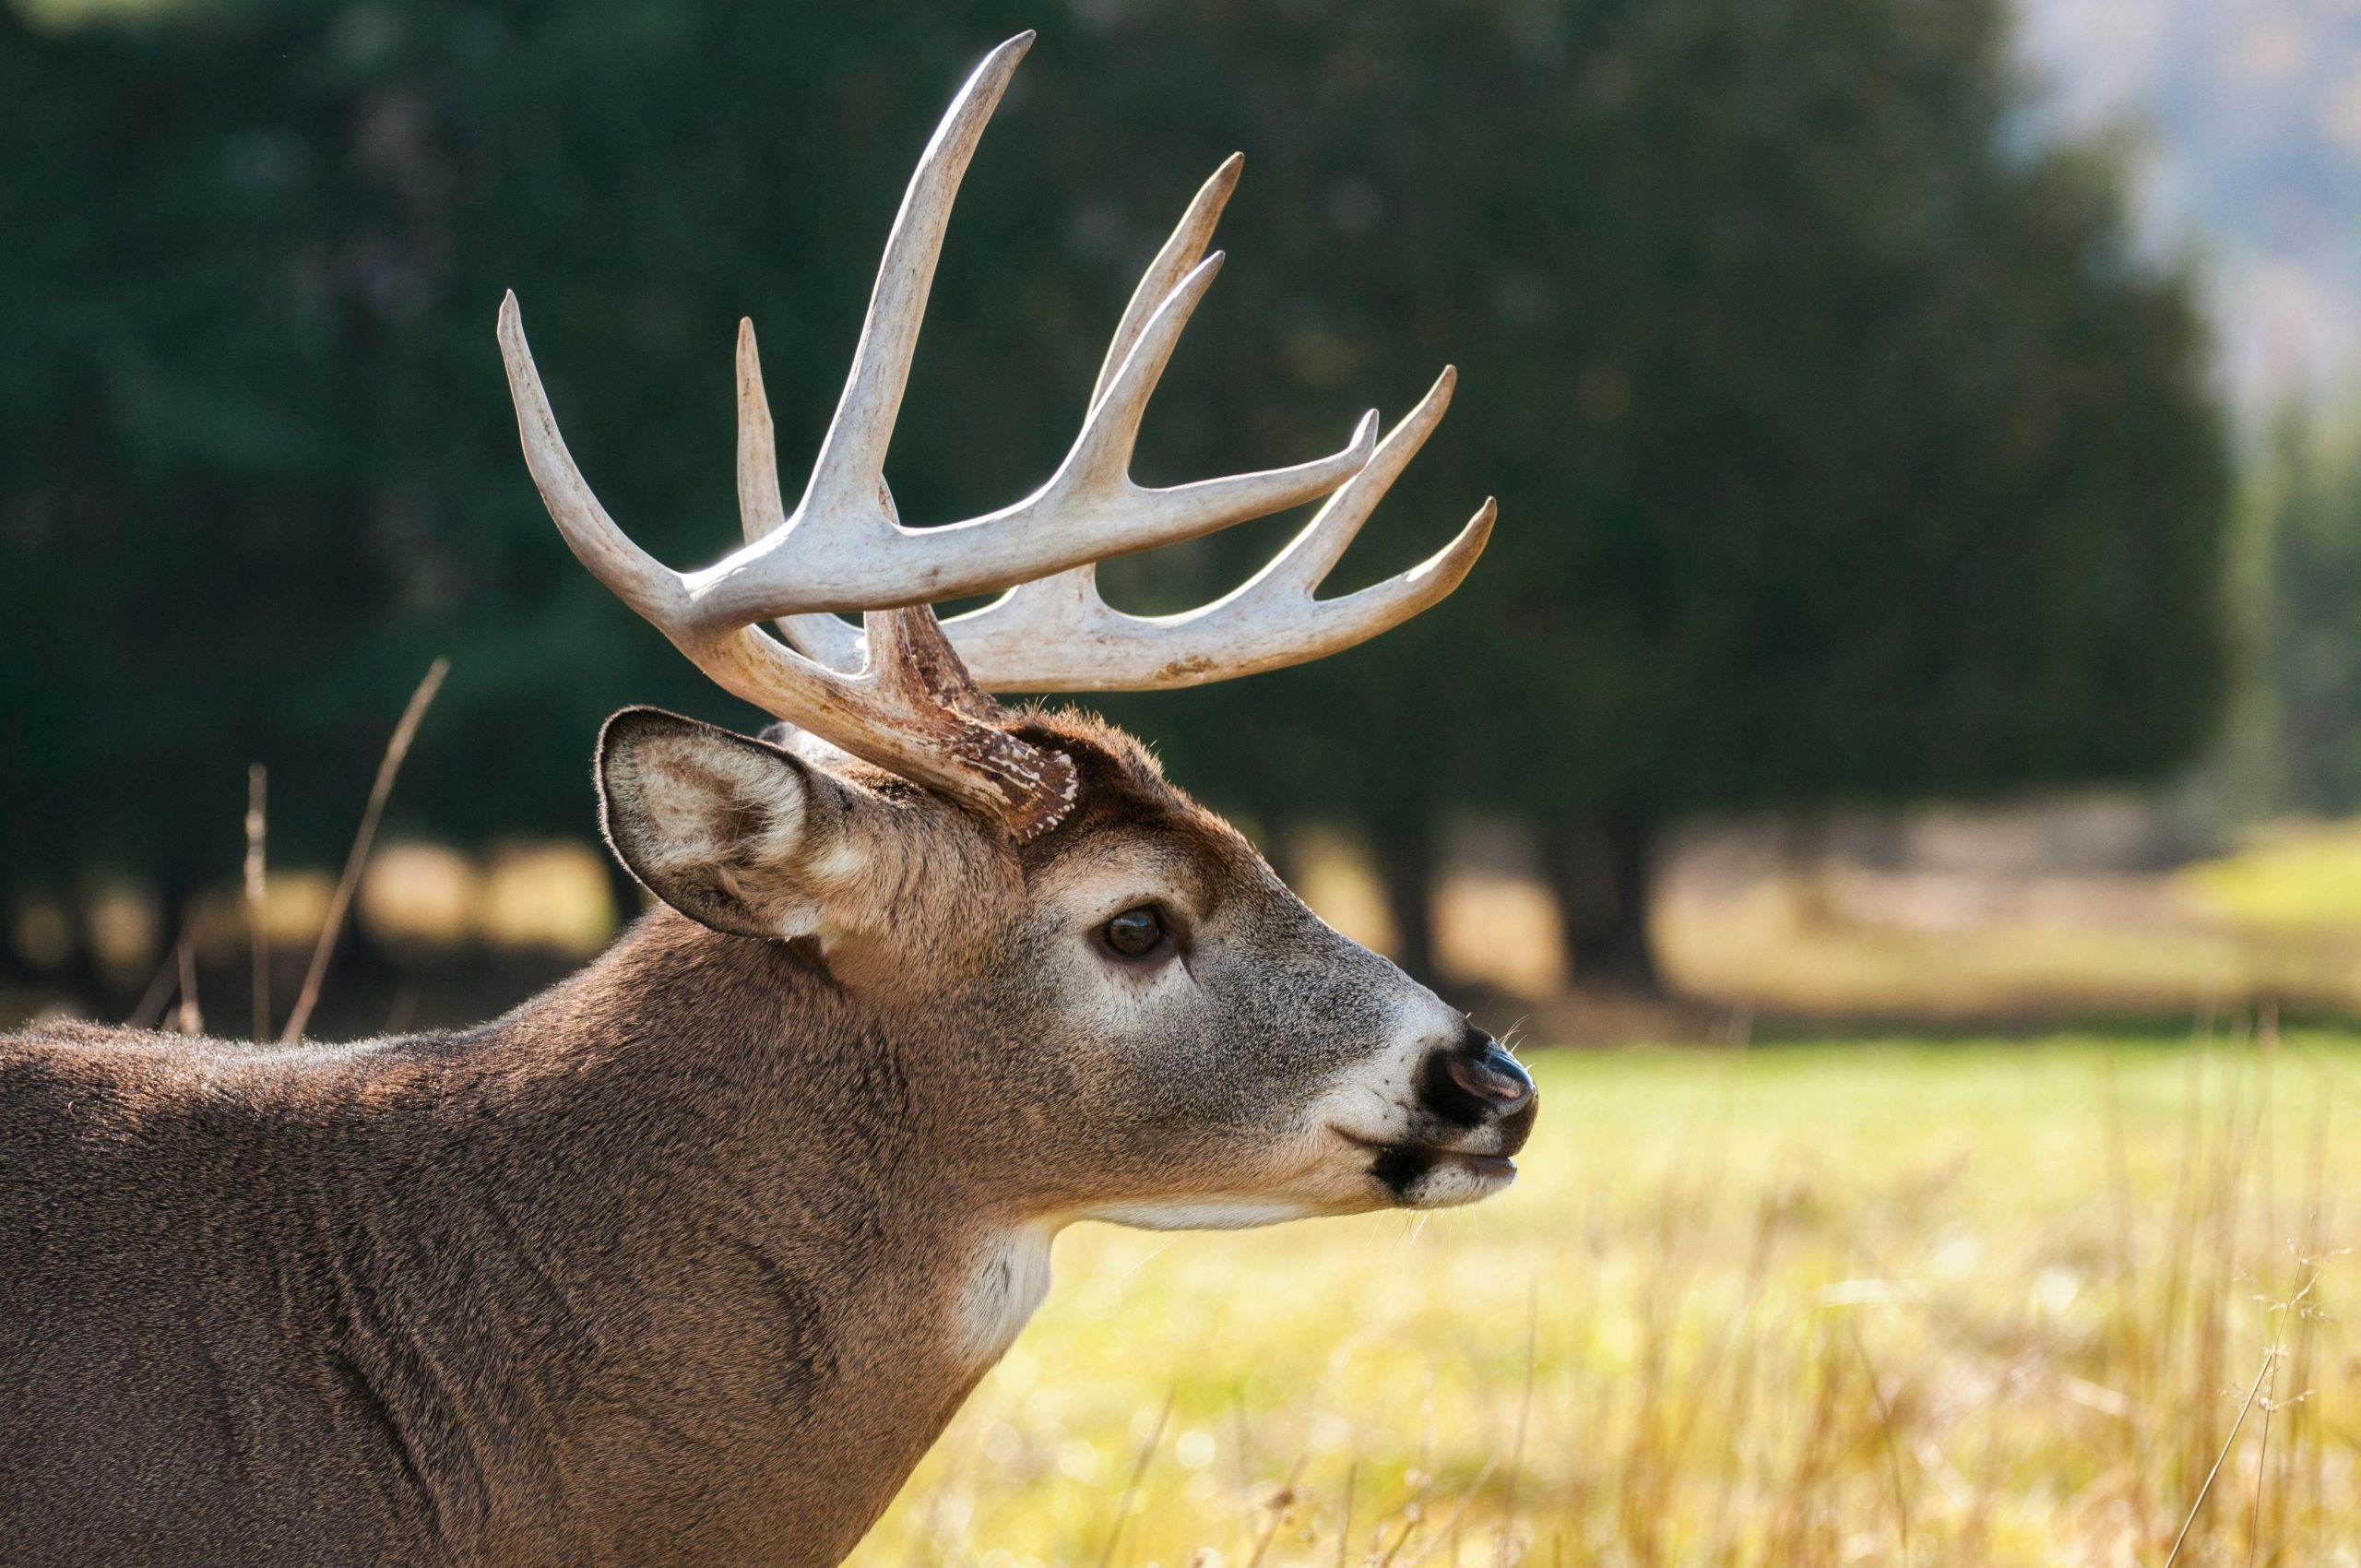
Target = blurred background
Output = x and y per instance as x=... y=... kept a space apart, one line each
x=1926 y=605
x=1931 y=540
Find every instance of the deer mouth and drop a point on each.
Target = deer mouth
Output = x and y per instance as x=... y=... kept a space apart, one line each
x=1408 y=1169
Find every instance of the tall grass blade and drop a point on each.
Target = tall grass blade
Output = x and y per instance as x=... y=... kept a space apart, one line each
x=358 y=859
x=257 y=927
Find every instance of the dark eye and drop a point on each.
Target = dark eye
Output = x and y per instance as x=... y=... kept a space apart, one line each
x=1135 y=933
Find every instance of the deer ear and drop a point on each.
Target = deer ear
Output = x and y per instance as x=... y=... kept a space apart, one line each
x=739 y=835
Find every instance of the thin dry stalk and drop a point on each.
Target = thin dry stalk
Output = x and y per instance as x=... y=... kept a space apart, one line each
x=2125 y=1301
x=1132 y=1487
x=2225 y=1207
x=2184 y=1443
x=1724 y=1534
x=1696 y=1393
x=1281 y=1502
x=1796 y=1517
x=1345 y=1527
x=1449 y=1534
x=2261 y=1463
x=1409 y=1529
x=1524 y=1418
x=190 y=1020
x=2305 y=1424
x=151 y=1010
x=257 y=926
x=396 y=750
x=1666 y=1410
x=2254 y=1391
x=2296 y=1305
x=1884 y=1409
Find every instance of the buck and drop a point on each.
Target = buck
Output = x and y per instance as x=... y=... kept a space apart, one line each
x=689 y=1259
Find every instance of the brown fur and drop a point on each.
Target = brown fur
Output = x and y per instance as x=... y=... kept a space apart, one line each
x=676 y=1263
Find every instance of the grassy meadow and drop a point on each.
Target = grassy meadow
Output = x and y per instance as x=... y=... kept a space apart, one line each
x=1986 y=1304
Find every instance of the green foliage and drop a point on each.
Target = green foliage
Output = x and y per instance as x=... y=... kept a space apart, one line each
x=1842 y=449
x=1844 y=452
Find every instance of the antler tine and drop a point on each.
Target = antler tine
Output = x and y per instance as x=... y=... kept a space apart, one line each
x=850 y=470
x=761 y=511
x=653 y=590
x=1313 y=553
x=816 y=633
x=1174 y=260
x=839 y=643
x=1060 y=635
x=848 y=474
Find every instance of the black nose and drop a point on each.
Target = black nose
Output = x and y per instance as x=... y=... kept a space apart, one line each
x=1490 y=1074
x=1474 y=1081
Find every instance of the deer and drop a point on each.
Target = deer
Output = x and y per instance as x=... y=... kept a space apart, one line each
x=691 y=1258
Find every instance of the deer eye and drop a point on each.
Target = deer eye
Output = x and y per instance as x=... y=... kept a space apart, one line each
x=1135 y=933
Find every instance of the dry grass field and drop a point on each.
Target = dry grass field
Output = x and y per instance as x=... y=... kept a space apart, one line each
x=1890 y=1304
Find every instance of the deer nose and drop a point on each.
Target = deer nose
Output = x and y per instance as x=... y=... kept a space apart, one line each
x=1489 y=1073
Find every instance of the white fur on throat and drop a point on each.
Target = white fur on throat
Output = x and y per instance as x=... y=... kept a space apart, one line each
x=1006 y=1284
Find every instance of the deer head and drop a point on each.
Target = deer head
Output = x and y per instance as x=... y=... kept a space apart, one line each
x=1140 y=1022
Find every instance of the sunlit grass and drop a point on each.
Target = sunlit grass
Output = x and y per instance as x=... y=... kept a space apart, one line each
x=2297 y=874
x=1879 y=1304
x=2282 y=920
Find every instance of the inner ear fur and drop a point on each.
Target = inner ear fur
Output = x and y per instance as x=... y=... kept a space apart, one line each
x=736 y=833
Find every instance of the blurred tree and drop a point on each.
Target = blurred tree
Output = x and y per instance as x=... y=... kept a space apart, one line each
x=1843 y=451
x=259 y=463
x=2301 y=751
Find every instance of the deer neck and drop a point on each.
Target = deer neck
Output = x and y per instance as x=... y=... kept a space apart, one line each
x=766 y=1310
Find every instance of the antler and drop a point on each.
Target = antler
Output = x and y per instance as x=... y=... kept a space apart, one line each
x=1057 y=633
x=843 y=548
x=897 y=691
